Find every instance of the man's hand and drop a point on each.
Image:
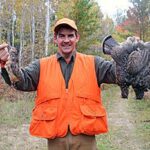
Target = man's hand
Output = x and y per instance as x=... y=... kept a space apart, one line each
x=4 y=54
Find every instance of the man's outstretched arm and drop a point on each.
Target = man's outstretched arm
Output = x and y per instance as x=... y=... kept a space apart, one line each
x=24 y=79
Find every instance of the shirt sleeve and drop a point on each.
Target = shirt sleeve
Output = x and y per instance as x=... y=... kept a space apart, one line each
x=105 y=71
x=24 y=79
x=28 y=77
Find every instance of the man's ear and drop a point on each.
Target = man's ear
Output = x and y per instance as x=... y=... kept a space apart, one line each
x=78 y=37
x=55 y=38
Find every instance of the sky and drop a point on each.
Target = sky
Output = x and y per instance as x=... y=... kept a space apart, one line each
x=110 y=7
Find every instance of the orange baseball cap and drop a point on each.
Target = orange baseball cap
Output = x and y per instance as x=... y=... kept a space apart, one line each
x=66 y=21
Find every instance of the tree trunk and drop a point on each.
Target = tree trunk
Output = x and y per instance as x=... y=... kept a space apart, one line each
x=0 y=32
x=32 y=31
x=48 y=5
x=8 y=35
x=0 y=35
x=21 y=35
x=13 y=27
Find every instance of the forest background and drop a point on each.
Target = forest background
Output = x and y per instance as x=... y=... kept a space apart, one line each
x=28 y=26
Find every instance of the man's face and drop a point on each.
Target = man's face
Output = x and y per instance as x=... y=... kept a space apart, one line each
x=66 y=39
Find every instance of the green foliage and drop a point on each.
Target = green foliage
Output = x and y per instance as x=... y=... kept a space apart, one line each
x=92 y=25
x=121 y=36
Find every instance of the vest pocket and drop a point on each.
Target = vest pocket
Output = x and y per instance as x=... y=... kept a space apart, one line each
x=44 y=122
x=45 y=114
x=89 y=97
x=52 y=98
x=94 y=119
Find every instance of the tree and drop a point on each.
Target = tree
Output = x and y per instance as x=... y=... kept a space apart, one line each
x=120 y=16
x=139 y=19
x=23 y=25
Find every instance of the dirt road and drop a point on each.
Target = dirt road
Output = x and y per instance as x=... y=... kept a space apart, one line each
x=123 y=126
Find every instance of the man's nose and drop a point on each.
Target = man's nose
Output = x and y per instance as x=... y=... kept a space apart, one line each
x=66 y=39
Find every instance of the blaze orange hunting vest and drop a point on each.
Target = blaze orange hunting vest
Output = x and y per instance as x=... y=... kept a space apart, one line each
x=78 y=108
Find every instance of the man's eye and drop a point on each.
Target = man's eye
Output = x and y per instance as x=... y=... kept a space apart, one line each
x=61 y=36
x=71 y=36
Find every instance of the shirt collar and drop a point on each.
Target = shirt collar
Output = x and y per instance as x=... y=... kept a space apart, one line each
x=59 y=56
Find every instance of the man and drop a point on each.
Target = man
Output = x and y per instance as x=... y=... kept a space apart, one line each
x=68 y=107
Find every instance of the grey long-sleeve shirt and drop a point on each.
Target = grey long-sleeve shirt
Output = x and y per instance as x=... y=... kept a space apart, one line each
x=29 y=76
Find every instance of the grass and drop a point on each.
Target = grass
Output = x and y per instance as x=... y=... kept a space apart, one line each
x=13 y=115
x=14 y=125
